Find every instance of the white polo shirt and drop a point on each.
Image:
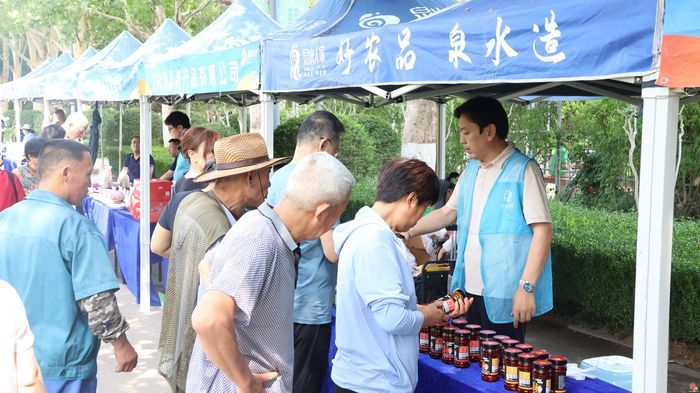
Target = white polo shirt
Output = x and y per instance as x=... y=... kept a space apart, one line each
x=535 y=209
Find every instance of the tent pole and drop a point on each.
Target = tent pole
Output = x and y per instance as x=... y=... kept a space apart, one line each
x=121 y=129
x=47 y=114
x=189 y=109
x=18 y=119
x=442 y=139
x=654 y=239
x=145 y=219
x=102 y=139
x=268 y=124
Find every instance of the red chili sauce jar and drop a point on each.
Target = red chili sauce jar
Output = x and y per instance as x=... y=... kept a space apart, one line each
x=484 y=335
x=505 y=344
x=424 y=340
x=499 y=339
x=542 y=381
x=436 y=342
x=525 y=371
x=490 y=361
x=510 y=356
x=459 y=323
x=448 y=344
x=526 y=348
x=461 y=359
x=474 y=330
x=558 y=373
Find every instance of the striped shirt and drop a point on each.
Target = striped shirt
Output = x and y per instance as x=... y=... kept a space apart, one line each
x=255 y=265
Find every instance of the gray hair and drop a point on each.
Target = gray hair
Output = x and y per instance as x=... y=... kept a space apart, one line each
x=75 y=118
x=319 y=178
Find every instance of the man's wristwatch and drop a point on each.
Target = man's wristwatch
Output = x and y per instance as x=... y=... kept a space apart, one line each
x=527 y=286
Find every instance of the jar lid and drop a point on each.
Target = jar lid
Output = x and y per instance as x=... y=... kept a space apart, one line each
x=490 y=344
x=525 y=347
x=501 y=337
x=512 y=352
x=449 y=329
x=541 y=353
x=487 y=333
x=459 y=321
x=462 y=332
x=526 y=357
x=542 y=364
x=473 y=327
x=557 y=360
x=510 y=342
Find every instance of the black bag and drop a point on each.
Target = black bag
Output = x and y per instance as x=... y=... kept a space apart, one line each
x=431 y=283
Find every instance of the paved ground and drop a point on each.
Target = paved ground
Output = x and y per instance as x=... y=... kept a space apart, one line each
x=573 y=343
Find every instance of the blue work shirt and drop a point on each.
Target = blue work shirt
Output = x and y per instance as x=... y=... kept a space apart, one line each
x=313 y=298
x=54 y=256
x=181 y=167
x=134 y=166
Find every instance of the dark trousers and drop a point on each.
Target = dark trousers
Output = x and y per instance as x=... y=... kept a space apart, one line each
x=311 y=346
x=477 y=314
x=338 y=389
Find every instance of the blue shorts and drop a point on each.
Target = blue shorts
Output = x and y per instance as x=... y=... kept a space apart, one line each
x=76 y=386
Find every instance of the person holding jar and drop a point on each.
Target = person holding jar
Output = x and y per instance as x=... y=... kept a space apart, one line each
x=377 y=316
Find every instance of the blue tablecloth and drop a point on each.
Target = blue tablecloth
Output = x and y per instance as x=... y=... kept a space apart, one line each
x=436 y=377
x=121 y=233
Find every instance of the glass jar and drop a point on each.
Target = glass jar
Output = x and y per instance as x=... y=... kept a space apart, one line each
x=462 y=348
x=499 y=339
x=505 y=344
x=448 y=344
x=459 y=323
x=510 y=358
x=474 y=330
x=541 y=354
x=449 y=302
x=424 y=340
x=542 y=381
x=525 y=363
x=490 y=361
x=436 y=342
x=526 y=348
x=558 y=373
x=485 y=335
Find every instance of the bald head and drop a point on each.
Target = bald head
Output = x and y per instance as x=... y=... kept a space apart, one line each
x=76 y=124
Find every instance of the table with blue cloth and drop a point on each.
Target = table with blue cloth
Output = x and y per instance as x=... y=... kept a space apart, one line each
x=120 y=231
x=436 y=377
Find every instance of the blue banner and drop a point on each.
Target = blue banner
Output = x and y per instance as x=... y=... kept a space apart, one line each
x=476 y=42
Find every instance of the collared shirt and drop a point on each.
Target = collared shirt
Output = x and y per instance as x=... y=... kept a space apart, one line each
x=254 y=264
x=133 y=164
x=377 y=322
x=313 y=298
x=54 y=257
x=535 y=209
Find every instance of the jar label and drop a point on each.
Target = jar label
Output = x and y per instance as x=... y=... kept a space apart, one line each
x=495 y=366
x=474 y=346
x=438 y=345
x=542 y=385
x=451 y=349
x=524 y=379
x=424 y=339
x=512 y=374
x=448 y=306
x=561 y=382
x=463 y=352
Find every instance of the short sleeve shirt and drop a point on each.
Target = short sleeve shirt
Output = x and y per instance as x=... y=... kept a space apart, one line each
x=535 y=209
x=255 y=265
x=133 y=165
x=15 y=336
x=167 y=218
x=54 y=256
x=181 y=167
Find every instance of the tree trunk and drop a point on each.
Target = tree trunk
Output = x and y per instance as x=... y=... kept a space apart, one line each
x=79 y=46
x=420 y=131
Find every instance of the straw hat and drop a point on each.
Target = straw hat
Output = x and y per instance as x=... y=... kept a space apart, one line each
x=238 y=154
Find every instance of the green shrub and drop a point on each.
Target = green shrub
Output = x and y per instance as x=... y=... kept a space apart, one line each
x=286 y=136
x=357 y=149
x=594 y=265
x=387 y=142
x=362 y=195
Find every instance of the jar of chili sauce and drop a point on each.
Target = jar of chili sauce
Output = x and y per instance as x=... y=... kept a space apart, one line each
x=485 y=335
x=542 y=381
x=436 y=342
x=459 y=323
x=448 y=344
x=526 y=348
x=461 y=359
x=505 y=344
x=490 y=361
x=525 y=370
x=474 y=330
x=424 y=340
x=449 y=302
x=510 y=356
x=558 y=373
x=499 y=339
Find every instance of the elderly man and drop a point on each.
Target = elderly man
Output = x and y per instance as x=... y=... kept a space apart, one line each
x=313 y=297
x=75 y=125
x=57 y=261
x=241 y=179
x=177 y=122
x=244 y=322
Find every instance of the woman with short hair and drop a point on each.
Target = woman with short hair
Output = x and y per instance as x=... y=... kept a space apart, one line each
x=377 y=316
x=29 y=174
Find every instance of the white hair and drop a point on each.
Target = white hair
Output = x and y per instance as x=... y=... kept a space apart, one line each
x=75 y=118
x=319 y=178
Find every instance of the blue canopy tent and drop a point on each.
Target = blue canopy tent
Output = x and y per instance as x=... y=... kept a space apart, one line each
x=509 y=50
x=28 y=86
x=6 y=93
x=223 y=60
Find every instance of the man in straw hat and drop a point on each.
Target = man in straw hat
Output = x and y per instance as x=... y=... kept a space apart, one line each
x=244 y=322
x=241 y=179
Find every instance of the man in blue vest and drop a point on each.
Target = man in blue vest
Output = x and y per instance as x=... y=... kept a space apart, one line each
x=504 y=226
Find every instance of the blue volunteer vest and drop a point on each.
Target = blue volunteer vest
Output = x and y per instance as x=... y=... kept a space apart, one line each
x=505 y=240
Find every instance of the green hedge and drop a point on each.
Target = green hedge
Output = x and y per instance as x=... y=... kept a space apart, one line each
x=594 y=256
x=362 y=195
